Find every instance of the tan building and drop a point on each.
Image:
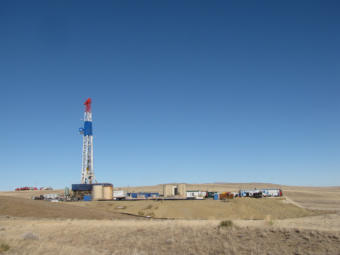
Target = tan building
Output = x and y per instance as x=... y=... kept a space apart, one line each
x=174 y=190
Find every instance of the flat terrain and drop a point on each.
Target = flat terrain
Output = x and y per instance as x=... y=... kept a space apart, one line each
x=305 y=221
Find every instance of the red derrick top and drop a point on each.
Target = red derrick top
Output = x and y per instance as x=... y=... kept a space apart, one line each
x=88 y=105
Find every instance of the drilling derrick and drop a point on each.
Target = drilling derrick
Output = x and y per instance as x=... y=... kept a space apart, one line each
x=87 y=173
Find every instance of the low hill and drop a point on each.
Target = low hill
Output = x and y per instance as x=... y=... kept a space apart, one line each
x=21 y=207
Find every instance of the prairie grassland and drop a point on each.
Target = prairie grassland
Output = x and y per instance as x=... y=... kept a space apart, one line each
x=21 y=207
x=48 y=236
x=288 y=225
x=239 y=208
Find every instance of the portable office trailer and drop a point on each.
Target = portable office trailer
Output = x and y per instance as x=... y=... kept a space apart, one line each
x=192 y=193
x=203 y=194
x=249 y=193
x=50 y=196
x=119 y=194
x=261 y=192
x=196 y=194
x=143 y=195
x=264 y=192
x=272 y=192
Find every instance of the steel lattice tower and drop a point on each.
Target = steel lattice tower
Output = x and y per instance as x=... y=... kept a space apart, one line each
x=87 y=173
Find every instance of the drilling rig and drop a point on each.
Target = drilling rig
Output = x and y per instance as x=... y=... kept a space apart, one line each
x=89 y=189
x=87 y=173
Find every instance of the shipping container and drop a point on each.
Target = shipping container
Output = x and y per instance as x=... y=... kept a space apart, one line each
x=81 y=187
x=196 y=194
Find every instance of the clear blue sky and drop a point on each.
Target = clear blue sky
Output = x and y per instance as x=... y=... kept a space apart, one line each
x=183 y=91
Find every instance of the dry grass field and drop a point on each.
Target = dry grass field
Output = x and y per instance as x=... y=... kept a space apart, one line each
x=21 y=207
x=25 y=236
x=239 y=208
x=305 y=221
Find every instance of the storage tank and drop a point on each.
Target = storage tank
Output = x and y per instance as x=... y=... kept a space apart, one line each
x=97 y=192
x=182 y=190
x=167 y=190
x=108 y=192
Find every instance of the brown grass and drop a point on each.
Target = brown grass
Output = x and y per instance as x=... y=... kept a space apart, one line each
x=4 y=247
x=160 y=237
x=20 y=207
x=239 y=208
x=258 y=226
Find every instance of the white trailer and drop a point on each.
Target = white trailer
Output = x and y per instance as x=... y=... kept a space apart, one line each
x=271 y=192
x=264 y=192
x=51 y=196
x=196 y=194
x=119 y=194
